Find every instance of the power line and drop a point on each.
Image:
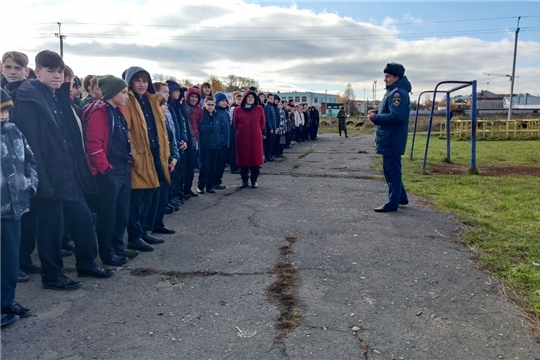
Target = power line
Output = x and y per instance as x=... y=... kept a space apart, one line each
x=285 y=27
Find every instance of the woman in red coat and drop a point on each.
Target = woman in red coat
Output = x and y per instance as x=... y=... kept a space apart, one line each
x=248 y=120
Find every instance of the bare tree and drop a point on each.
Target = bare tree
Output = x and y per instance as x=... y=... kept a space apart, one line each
x=215 y=83
x=234 y=82
x=349 y=93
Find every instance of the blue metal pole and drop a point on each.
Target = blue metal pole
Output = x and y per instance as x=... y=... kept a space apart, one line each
x=448 y=132
x=415 y=124
x=429 y=128
x=473 y=130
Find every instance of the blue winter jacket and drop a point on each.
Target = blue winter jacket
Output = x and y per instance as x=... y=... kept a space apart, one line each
x=19 y=180
x=270 y=115
x=222 y=114
x=210 y=131
x=392 y=119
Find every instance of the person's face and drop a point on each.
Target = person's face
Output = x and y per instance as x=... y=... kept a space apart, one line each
x=164 y=91
x=210 y=105
x=223 y=103
x=4 y=115
x=250 y=99
x=389 y=80
x=51 y=78
x=206 y=90
x=270 y=99
x=193 y=99
x=238 y=100
x=121 y=98
x=262 y=97
x=13 y=71
x=276 y=101
x=280 y=105
x=175 y=94
x=164 y=107
x=140 y=85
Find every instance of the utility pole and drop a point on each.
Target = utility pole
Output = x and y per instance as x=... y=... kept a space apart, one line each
x=374 y=92
x=513 y=73
x=61 y=37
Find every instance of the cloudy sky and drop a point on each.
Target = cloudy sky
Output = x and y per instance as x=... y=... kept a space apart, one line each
x=315 y=45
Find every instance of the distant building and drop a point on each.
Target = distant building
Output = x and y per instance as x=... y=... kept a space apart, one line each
x=486 y=100
x=523 y=101
x=309 y=98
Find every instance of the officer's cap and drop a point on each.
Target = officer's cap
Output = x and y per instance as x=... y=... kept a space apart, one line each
x=394 y=69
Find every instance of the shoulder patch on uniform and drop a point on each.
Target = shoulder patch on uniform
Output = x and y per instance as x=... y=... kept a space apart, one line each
x=396 y=101
x=397 y=95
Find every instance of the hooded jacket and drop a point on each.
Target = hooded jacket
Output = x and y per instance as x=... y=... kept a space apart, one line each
x=249 y=123
x=221 y=114
x=144 y=175
x=195 y=112
x=19 y=179
x=392 y=119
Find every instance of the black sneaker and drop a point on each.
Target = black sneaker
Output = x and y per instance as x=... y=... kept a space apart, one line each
x=219 y=187
x=199 y=191
x=210 y=191
x=130 y=254
x=62 y=283
x=255 y=185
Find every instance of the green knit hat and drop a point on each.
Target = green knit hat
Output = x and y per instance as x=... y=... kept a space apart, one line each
x=110 y=86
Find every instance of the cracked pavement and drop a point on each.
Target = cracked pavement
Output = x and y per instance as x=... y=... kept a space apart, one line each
x=402 y=279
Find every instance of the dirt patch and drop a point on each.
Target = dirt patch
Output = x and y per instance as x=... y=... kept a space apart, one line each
x=291 y=238
x=140 y=272
x=486 y=170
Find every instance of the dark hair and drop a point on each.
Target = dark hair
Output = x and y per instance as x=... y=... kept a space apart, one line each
x=50 y=60
x=140 y=75
x=93 y=81
x=253 y=88
x=269 y=94
x=86 y=82
x=209 y=98
x=20 y=58
x=68 y=72
x=31 y=74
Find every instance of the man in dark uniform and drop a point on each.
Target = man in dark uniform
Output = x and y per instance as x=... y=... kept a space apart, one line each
x=392 y=120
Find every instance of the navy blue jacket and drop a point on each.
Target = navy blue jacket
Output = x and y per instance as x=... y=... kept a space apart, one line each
x=270 y=115
x=392 y=119
x=222 y=114
x=210 y=131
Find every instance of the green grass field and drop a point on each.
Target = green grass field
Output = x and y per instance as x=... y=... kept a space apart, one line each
x=501 y=213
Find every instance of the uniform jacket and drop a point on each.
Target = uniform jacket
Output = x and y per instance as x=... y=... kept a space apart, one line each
x=19 y=175
x=210 y=129
x=99 y=124
x=222 y=114
x=143 y=174
x=249 y=124
x=270 y=116
x=392 y=119
x=55 y=169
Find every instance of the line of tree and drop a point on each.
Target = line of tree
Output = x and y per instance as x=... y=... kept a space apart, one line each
x=228 y=83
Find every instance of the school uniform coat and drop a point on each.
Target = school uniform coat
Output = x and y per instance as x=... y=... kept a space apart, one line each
x=249 y=124
x=35 y=120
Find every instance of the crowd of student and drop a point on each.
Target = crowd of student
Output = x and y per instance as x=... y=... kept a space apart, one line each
x=77 y=173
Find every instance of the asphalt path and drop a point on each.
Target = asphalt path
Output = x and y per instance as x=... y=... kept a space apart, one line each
x=369 y=285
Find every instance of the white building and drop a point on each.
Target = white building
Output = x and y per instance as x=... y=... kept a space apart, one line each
x=310 y=98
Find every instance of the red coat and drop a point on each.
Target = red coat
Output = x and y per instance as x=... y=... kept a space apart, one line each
x=249 y=127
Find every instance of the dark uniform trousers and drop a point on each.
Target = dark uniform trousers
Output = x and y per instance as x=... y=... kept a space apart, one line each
x=392 y=174
x=139 y=207
x=207 y=172
x=156 y=213
x=189 y=173
x=113 y=213
x=232 y=149
x=221 y=162
x=28 y=237
x=11 y=243
x=269 y=145
x=50 y=219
